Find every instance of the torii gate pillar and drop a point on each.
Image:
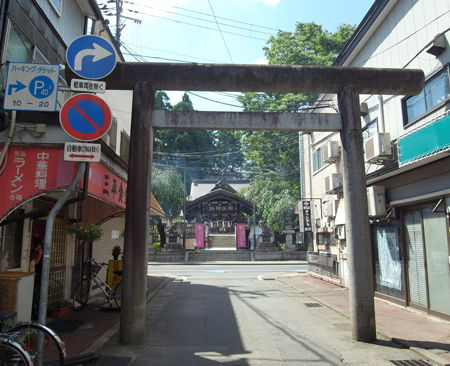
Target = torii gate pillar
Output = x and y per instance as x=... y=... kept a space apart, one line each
x=359 y=251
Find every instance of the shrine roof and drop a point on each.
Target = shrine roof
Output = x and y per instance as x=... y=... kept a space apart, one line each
x=201 y=187
x=218 y=194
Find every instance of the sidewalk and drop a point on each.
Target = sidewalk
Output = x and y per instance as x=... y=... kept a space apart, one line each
x=425 y=334
x=94 y=326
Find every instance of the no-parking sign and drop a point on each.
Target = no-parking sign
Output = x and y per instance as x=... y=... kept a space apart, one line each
x=85 y=117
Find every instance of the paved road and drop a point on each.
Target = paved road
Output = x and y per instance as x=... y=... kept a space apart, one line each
x=242 y=315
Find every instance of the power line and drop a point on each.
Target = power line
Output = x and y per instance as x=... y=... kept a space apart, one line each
x=171 y=52
x=195 y=25
x=220 y=30
x=251 y=25
x=198 y=19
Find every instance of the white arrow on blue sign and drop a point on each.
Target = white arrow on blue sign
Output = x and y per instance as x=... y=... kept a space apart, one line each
x=91 y=57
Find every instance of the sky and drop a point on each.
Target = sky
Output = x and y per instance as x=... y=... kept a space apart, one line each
x=218 y=31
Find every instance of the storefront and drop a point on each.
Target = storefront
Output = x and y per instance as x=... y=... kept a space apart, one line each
x=412 y=256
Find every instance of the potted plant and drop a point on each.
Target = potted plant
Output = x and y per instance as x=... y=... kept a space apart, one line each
x=60 y=309
x=85 y=232
x=116 y=252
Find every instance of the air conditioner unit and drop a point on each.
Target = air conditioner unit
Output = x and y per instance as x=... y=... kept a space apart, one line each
x=329 y=208
x=376 y=200
x=331 y=152
x=378 y=147
x=332 y=182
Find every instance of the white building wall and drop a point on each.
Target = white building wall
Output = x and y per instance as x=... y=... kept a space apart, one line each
x=397 y=39
x=67 y=21
x=400 y=42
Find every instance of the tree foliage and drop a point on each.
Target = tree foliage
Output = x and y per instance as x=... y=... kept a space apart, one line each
x=182 y=149
x=228 y=157
x=168 y=189
x=272 y=158
x=274 y=201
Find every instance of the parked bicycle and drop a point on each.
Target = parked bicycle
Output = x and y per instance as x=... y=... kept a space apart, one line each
x=83 y=289
x=29 y=344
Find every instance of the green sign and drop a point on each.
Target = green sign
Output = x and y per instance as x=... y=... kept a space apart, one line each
x=426 y=141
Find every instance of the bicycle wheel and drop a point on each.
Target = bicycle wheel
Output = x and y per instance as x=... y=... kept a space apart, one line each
x=117 y=293
x=12 y=354
x=81 y=294
x=41 y=343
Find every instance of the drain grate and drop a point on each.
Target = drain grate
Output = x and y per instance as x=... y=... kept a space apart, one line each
x=410 y=363
x=343 y=326
x=312 y=304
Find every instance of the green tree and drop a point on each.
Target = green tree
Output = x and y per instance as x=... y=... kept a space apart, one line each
x=162 y=101
x=229 y=158
x=185 y=150
x=274 y=199
x=168 y=189
x=272 y=157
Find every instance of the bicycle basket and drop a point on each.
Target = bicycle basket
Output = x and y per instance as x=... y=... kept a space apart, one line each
x=95 y=267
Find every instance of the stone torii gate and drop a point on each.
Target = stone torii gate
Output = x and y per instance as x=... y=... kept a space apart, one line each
x=145 y=78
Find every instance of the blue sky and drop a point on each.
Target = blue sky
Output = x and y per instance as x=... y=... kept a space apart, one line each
x=187 y=31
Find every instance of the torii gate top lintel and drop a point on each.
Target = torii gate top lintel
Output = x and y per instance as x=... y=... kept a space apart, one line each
x=265 y=78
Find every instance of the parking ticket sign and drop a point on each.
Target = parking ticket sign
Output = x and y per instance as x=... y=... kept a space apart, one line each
x=31 y=87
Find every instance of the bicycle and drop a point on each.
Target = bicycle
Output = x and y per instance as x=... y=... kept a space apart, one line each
x=29 y=344
x=83 y=289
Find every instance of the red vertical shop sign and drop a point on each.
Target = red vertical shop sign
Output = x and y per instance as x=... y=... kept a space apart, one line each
x=31 y=171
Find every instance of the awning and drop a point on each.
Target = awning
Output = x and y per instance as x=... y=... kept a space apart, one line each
x=155 y=207
x=31 y=171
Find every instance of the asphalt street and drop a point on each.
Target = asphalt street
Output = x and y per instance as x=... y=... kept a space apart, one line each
x=243 y=315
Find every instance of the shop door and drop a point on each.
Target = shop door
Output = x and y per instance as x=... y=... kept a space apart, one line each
x=417 y=288
x=438 y=272
x=57 y=277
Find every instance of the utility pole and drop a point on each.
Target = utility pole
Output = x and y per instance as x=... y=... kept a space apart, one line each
x=118 y=19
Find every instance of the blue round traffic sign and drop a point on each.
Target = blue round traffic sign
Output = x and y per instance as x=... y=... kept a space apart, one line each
x=85 y=117
x=91 y=57
x=41 y=86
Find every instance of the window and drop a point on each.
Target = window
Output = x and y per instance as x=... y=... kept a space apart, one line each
x=317 y=160
x=19 y=47
x=370 y=129
x=435 y=91
x=56 y=4
x=11 y=244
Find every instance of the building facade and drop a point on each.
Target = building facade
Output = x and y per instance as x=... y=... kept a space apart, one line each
x=33 y=171
x=407 y=161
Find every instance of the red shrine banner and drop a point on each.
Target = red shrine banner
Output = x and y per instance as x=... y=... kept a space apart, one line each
x=200 y=235
x=241 y=240
x=31 y=171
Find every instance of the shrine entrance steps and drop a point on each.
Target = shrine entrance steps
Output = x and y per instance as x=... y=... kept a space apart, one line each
x=225 y=241
x=213 y=255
